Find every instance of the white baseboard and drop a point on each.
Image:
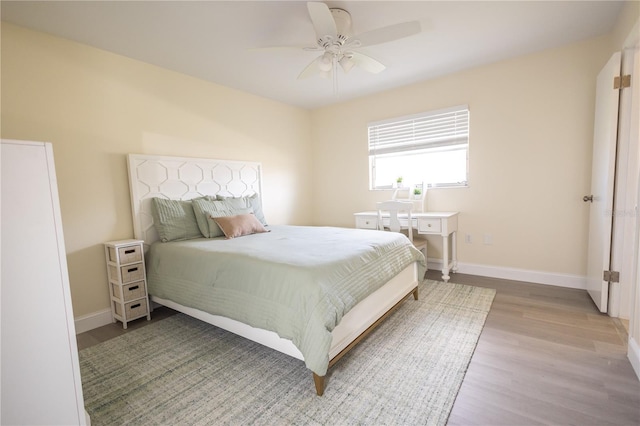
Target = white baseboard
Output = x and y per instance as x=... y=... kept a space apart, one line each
x=538 y=277
x=94 y=320
x=633 y=353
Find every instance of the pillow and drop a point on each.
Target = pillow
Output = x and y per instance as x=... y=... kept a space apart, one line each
x=214 y=228
x=252 y=201
x=239 y=225
x=203 y=208
x=174 y=219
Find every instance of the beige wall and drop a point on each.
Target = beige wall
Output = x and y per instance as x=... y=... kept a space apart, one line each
x=530 y=155
x=531 y=133
x=95 y=107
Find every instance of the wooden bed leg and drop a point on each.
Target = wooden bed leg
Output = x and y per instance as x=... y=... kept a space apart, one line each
x=415 y=294
x=319 y=382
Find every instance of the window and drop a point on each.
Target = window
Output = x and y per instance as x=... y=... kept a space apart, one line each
x=430 y=148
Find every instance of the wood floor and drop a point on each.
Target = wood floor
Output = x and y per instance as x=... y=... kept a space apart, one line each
x=546 y=356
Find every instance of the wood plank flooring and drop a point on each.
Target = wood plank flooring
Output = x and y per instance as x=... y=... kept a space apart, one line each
x=546 y=356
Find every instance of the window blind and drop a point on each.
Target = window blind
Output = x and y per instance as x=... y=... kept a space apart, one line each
x=445 y=128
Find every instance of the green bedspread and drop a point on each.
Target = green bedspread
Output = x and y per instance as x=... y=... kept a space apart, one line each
x=295 y=280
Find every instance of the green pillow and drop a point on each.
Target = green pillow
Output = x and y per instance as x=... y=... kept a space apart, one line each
x=203 y=208
x=248 y=201
x=174 y=220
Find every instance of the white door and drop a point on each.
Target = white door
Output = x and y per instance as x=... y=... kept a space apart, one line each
x=602 y=182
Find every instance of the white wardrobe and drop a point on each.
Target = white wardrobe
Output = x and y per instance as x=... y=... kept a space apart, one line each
x=40 y=373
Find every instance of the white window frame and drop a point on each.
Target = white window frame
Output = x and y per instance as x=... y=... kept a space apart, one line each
x=433 y=131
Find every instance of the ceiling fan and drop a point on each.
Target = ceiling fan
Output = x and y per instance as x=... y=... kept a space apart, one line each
x=338 y=45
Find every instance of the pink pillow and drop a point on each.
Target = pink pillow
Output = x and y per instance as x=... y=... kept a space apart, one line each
x=239 y=225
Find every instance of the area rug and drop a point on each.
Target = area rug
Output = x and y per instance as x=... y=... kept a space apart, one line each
x=181 y=371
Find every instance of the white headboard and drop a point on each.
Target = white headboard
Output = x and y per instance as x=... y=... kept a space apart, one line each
x=181 y=178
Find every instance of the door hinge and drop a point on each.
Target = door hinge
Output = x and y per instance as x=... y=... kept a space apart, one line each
x=611 y=276
x=622 y=81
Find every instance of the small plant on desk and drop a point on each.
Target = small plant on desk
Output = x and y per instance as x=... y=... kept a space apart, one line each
x=399 y=182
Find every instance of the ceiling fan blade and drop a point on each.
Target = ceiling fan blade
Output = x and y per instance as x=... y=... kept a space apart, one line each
x=367 y=63
x=322 y=20
x=390 y=33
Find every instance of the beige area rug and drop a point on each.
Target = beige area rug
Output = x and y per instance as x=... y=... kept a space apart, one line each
x=181 y=371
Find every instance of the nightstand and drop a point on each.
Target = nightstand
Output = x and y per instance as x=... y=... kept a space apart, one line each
x=127 y=280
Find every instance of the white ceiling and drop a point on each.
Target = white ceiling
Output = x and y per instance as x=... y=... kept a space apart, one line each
x=212 y=40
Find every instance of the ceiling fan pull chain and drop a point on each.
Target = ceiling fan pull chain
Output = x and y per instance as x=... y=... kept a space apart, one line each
x=335 y=75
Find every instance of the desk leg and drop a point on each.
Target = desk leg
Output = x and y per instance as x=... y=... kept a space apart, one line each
x=445 y=258
x=454 y=251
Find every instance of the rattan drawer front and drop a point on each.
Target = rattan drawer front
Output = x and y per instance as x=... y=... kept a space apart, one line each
x=128 y=273
x=128 y=254
x=134 y=309
x=130 y=291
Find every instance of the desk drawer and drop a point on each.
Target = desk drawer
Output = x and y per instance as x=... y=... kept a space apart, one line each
x=366 y=223
x=429 y=226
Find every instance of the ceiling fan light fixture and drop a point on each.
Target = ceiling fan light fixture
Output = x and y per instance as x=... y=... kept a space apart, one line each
x=326 y=61
x=346 y=63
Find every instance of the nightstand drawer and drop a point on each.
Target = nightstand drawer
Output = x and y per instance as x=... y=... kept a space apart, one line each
x=129 y=291
x=127 y=254
x=366 y=223
x=429 y=226
x=128 y=273
x=134 y=309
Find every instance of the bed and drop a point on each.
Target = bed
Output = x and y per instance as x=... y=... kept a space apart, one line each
x=309 y=292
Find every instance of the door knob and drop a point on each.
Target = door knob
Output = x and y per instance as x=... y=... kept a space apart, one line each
x=587 y=198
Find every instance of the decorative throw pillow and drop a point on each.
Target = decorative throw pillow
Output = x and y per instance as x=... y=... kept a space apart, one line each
x=248 y=201
x=214 y=228
x=239 y=225
x=174 y=219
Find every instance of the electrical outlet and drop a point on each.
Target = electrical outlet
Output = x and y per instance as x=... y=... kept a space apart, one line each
x=487 y=239
x=467 y=238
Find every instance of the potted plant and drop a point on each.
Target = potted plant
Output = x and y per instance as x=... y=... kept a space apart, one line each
x=417 y=192
x=399 y=182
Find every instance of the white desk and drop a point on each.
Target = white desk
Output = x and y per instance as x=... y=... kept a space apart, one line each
x=444 y=224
